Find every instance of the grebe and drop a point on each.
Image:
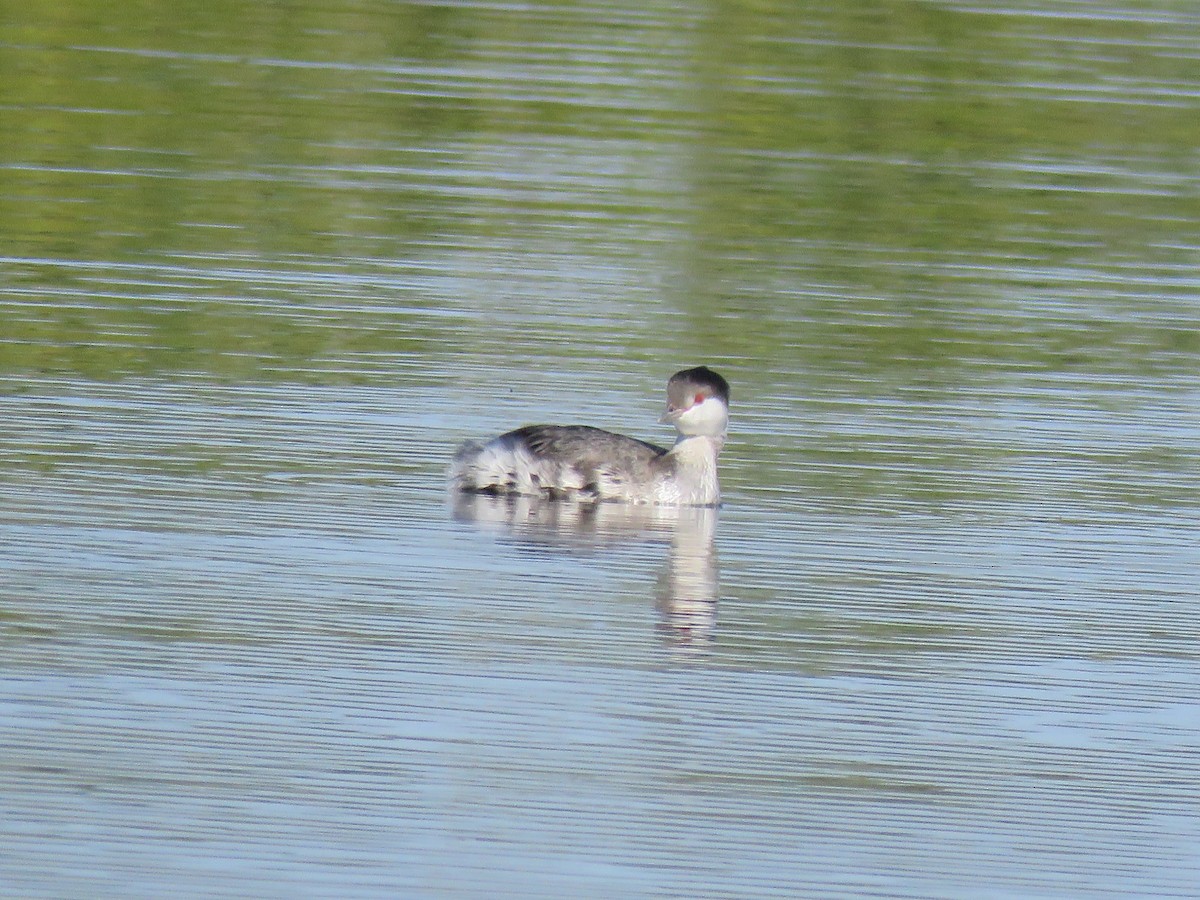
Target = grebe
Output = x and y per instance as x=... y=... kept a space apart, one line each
x=585 y=463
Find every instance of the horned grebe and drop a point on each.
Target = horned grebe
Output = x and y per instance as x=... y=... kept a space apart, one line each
x=585 y=463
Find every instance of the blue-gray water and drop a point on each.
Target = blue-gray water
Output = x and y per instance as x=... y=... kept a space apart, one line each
x=263 y=269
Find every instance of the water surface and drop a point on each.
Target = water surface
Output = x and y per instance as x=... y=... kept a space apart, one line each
x=263 y=269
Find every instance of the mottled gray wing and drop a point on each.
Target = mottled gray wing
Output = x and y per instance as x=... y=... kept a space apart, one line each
x=587 y=448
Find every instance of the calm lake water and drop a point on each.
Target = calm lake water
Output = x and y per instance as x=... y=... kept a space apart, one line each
x=262 y=268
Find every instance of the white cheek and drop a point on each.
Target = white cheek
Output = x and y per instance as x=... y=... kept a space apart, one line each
x=706 y=417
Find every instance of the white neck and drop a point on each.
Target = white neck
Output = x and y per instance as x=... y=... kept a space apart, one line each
x=694 y=478
x=698 y=446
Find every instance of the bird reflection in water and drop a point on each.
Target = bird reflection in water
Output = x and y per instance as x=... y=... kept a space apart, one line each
x=686 y=590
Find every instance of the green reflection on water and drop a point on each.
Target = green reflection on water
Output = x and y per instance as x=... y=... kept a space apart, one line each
x=886 y=187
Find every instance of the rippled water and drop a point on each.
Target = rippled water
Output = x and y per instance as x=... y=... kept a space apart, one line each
x=262 y=270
